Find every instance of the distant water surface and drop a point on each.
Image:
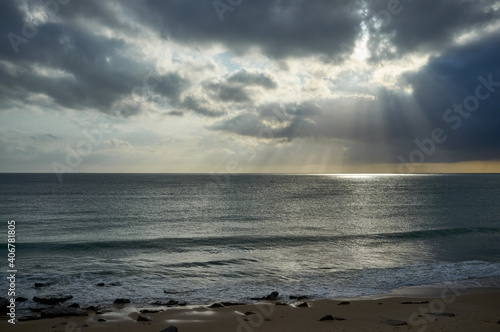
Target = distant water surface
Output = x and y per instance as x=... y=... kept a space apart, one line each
x=203 y=239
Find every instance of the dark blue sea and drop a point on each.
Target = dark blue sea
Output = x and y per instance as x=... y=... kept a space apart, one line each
x=201 y=238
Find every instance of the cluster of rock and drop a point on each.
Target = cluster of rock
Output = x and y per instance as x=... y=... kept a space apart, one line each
x=52 y=307
x=57 y=309
x=169 y=303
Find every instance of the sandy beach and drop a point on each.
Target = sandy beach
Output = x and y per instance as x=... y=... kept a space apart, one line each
x=422 y=310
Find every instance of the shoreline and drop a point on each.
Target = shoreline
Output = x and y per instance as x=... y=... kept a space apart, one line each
x=448 y=309
x=425 y=292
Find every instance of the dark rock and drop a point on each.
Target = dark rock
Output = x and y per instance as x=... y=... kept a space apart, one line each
x=52 y=299
x=144 y=318
x=21 y=299
x=344 y=303
x=115 y=283
x=94 y=308
x=302 y=305
x=170 y=303
x=171 y=328
x=149 y=311
x=101 y=284
x=216 y=305
x=63 y=312
x=40 y=284
x=415 y=302
x=272 y=297
x=231 y=304
x=121 y=301
x=444 y=314
x=3 y=305
x=159 y=303
x=299 y=298
x=327 y=317
x=339 y=318
x=395 y=322
x=38 y=309
x=74 y=305
x=249 y=313
x=281 y=303
x=101 y=320
x=30 y=317
x=267 y=319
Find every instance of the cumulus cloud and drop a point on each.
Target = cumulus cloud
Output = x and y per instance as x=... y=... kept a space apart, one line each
x=240 y=86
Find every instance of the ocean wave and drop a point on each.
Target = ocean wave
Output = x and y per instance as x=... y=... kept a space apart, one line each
x=182 y=244
x=201 y=289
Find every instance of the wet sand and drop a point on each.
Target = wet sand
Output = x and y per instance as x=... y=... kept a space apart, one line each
x=430 y=310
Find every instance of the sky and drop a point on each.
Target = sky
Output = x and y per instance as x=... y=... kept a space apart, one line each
x=250 y=86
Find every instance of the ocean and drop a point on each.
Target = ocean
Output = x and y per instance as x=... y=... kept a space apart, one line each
x=202 y=238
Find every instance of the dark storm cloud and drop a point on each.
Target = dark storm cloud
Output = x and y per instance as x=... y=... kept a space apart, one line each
x=280 y=28
x=450 y=80
x=76 y=68
x=329 y=29
x=423 y=26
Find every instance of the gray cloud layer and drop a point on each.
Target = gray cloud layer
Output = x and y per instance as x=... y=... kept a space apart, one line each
x=79 y=67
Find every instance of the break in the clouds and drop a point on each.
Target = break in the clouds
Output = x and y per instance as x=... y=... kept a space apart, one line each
x=191 y=85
